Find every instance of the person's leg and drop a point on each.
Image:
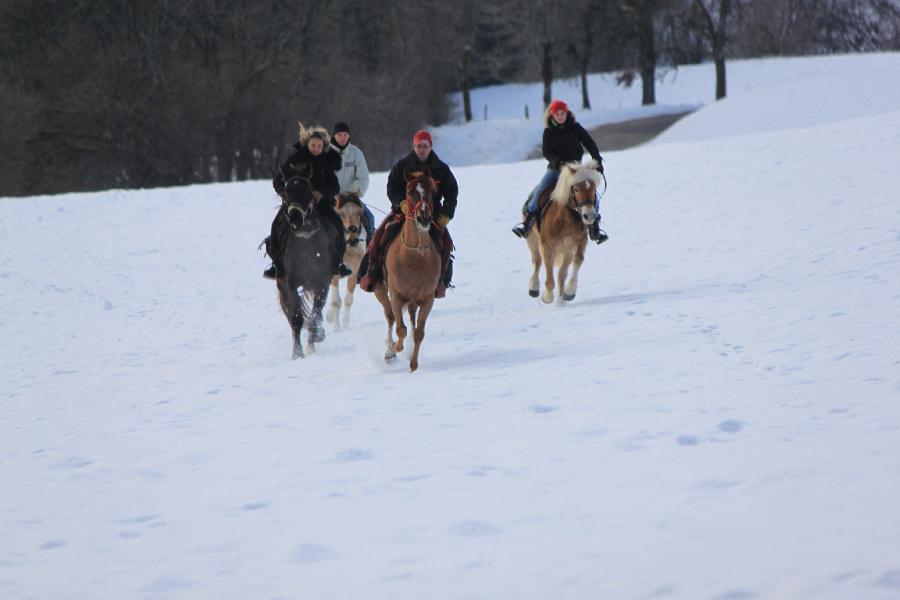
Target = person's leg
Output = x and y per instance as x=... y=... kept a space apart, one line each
x=446 y=264
x=551 y=176
x=338 y=268
x=370 y=224
x=594 y=232
x=275 y=245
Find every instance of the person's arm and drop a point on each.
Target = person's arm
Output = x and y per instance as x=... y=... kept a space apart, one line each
x=396 y=190
x=362 y=173
x=588 y=142
x=548 y=149
x=450 y=191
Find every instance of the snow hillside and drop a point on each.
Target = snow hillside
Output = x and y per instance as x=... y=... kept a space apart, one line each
x=715 y=416
x=775 y=93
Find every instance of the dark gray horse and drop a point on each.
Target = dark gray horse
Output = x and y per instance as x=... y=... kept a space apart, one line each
x=310 y=253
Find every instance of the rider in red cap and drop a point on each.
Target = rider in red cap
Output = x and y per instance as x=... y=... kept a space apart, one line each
x=421 y=158
x=564 y=142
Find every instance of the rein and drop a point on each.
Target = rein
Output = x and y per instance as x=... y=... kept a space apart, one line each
x=411 y=216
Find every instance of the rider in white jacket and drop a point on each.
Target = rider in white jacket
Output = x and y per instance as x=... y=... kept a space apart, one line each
x=354 y=174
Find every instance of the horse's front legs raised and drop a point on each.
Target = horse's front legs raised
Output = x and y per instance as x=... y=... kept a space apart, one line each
x=334 y=304
x=418 y=322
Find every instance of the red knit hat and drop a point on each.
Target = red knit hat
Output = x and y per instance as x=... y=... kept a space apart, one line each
x=558 y=105
x=422 y=136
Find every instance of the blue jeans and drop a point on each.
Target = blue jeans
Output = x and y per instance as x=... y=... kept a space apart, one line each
x=551 y=176
x=548 y=181
x=370 y=222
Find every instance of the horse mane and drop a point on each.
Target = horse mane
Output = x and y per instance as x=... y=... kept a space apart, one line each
x=346 y=198
x=306 y=133
x=570 y=175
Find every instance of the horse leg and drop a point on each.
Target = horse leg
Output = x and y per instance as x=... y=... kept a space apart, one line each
x=397 y=307
x=534 y=245
x=419 y=332
x=381 y=295
x=572 y=286
x=290 y=304
x=334 y=306
x=561 y=274
x=549 y=259
x=315 y=329
x=348 y=298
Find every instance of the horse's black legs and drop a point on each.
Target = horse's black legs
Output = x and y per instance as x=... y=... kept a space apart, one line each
x=293 y=311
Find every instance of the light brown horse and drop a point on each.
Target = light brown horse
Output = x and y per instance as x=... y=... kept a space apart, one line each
x=351 y=210
x=561 y=237
x=412 y=268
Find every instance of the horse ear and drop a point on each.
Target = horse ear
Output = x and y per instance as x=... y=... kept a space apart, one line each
x=407 y=175
x=436 y=183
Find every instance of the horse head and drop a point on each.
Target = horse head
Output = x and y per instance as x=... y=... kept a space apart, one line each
x=350 y=208
x=300 y=203
x=577 y=188
x=420 y=190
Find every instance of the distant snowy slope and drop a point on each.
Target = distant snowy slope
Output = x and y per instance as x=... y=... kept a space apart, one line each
x=811 y=90
x=715 y=416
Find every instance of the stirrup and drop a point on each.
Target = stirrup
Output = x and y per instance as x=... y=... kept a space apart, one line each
x=270 y=273
x=344 y=270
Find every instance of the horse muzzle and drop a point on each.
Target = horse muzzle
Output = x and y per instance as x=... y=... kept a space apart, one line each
x=423 y=222
x=588 y=214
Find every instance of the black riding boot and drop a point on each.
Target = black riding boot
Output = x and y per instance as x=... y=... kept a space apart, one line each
x=596 y=234
x=273 y=271
x=523 y=229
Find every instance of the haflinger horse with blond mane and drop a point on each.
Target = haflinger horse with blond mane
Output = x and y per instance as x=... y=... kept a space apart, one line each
x=561 y=234
x=351 y=210
x=412 y=268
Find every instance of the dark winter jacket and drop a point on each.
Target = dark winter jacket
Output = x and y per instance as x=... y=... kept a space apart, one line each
x=566 y=143
x=323 y=176
x=444 y=199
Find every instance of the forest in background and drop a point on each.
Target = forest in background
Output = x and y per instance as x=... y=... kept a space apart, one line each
x=98 y=94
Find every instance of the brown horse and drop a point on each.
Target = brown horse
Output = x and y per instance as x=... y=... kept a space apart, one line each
x=351 y=210
x=561 y=237
x=412 y=268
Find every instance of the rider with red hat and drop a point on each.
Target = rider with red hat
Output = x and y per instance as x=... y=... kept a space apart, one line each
x=421 y=158
x=564 y=142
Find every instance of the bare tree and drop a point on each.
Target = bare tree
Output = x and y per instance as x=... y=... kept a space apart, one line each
x=543 y=19
x=712 y=16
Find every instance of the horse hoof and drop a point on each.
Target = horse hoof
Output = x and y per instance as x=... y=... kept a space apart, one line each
x=533 y=293
x=389 y=357
x=413 y=366
x=568 y=297
x=547 y=299
x=297 y=354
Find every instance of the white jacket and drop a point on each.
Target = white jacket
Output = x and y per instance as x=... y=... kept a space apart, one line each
x=354 y=173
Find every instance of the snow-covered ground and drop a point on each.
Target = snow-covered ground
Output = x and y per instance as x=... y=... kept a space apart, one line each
x=716 y=415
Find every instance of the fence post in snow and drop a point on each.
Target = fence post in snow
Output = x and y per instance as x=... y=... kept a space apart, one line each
x=526 y=112
x=485 y=112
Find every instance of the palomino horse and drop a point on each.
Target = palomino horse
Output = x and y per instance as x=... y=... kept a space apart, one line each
x=561 y=237
x=412 y=268
x=351 y=210
x=310 y=252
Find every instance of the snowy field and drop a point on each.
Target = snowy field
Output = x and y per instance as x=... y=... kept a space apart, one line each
x=715 y=416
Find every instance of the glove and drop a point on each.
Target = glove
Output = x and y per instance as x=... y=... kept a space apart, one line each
x=443 y=221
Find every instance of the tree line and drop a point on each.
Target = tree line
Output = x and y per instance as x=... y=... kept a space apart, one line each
x=112 y=93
